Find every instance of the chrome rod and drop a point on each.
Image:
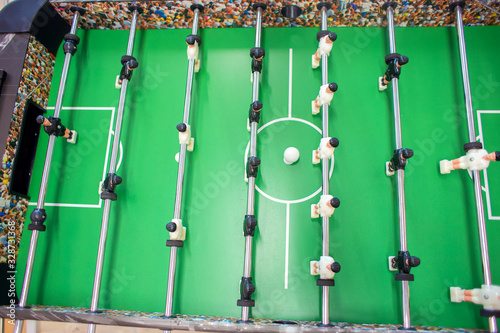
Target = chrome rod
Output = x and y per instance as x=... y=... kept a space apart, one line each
x=247 y=270
x=180 y=181
x=171 y=281
x=180 y=174
x=251 y=196
x=248 y=259
x=325 y=163
x=258 y=27
x=481 y=220
x=390 y=27
x=465 y=74
x=18 y=327
x=94 y=305
x=405 y=288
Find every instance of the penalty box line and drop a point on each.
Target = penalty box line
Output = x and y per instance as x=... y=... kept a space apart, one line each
x=110 y=132
x=486 y=188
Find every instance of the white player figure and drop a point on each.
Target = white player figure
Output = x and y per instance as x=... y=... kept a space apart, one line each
x=193 y=41
x=326 y=267
x=326 y=39
x=176 y=230
x=474 y=159
x=185 y=135
x=487 y=296
x=325 y=150
x=325 y=96
x=325 y=207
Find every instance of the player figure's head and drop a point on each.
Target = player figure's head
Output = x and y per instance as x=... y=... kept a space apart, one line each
x=331 y=36
x=334 y=142
x=403 y=60
x=190 y=40
x=257 y=106
x=132 y=64
x=334 y=267
x=333 y=87
x=335 y=202
x=258 y=53
x=182 y=127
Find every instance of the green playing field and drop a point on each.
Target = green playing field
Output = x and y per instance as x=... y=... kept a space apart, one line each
x=441 y=214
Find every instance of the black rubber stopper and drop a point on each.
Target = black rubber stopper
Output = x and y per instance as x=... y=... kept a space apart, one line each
x=325 y=282
x=176 y=243
x=262 y=5
x=246 y=302
x=73 y=38
x=327 y=5
x=489 y=313
x=390 y=57
x=78 y=9
x=404 y=277
x=139 y=9
x=393 y=4
x=197 y=6
x=291 y=11
x=473 y=145
x=454 y=4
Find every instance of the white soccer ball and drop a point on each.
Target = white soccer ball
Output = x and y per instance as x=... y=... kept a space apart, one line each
x=291 y=155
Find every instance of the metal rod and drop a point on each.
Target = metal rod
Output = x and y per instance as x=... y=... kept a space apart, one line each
x=248 y=259
x=258 y=27
x=180 y=181
x=405 y=288
x=171 y=281
x=251 y=196
x=481 y=221
x=180 y=175
x=45 y=179
x=465 y=74
x=325 y=164
x=112 y=168
x=247 y=271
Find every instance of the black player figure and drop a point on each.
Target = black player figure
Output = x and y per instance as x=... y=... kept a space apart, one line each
x=257 y=55
x=53 y=126
x=129 y=63
x=395 y=62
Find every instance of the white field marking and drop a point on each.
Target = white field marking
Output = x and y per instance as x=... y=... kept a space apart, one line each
x=287 y=243
x=121 y=157
x=486 y=186
x=290 y=62
x=99 y=205
x=245 y=157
